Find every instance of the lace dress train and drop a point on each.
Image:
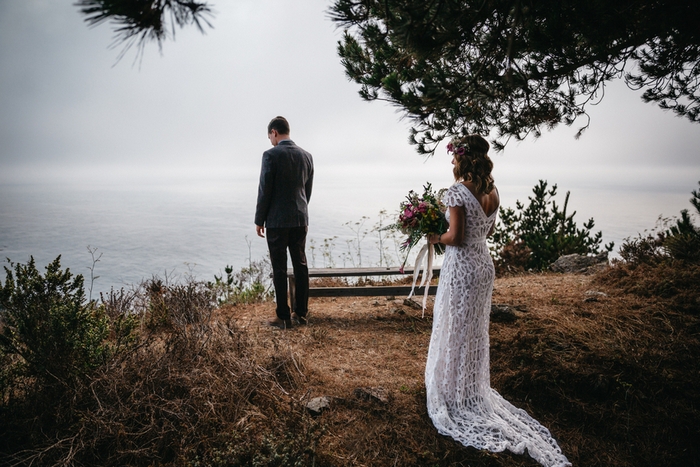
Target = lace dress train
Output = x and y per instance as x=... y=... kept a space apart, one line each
x=461 y=402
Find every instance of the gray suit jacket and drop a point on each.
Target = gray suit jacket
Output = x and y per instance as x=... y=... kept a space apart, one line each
x=286 y=178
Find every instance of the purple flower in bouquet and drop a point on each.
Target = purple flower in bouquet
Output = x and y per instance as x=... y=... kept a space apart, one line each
x=419 y=216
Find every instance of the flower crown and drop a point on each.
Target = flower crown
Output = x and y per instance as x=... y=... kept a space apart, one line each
x=457 y=146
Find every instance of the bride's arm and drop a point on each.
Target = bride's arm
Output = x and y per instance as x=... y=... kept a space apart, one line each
x=455 y=232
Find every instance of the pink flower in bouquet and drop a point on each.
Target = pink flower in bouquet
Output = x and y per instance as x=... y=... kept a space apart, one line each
x=420 y=216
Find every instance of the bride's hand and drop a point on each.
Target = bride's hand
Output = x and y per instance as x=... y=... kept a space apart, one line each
x=433 y=238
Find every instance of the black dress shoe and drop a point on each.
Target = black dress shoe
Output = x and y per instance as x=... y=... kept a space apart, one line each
x=281 y=323
x=299 y=320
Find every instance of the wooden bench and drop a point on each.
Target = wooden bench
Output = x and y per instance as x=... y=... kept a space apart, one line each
x=358 y=291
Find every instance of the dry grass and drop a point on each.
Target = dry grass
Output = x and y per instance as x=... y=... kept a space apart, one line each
x=190 y=392
x=613 y=376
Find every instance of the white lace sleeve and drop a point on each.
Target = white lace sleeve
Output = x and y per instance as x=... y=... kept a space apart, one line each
x=452 y=197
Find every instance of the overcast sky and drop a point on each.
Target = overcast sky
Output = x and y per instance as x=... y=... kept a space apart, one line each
x=200 y=108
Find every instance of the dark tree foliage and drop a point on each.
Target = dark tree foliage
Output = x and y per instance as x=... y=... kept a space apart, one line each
x=516 y=66
x=140 y=21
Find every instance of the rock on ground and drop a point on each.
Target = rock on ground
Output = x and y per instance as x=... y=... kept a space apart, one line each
x=576 y=263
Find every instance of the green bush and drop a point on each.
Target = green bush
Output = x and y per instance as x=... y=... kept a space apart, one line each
x=249 y=285
x=664 y=263
x=123 y=319
x=682 y=241
x=175 y=307
x=533 y=237
x=50 y=335
x=643 y=249
x=81 y=387
x=670 y=241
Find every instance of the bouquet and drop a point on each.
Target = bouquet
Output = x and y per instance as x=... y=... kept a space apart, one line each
x=421 y=215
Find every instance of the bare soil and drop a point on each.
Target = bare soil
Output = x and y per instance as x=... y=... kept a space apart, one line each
x=612 y=375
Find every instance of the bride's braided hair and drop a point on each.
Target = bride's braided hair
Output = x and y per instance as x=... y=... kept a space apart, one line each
x=472 y=161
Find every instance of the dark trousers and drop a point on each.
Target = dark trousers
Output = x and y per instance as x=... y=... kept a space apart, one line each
x=278 y=241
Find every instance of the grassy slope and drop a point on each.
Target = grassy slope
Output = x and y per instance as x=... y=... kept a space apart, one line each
x=615 y=377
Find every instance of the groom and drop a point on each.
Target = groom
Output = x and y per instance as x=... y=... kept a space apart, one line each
x=286 y=178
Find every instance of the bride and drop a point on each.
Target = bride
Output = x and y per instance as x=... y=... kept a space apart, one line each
x=461 y=402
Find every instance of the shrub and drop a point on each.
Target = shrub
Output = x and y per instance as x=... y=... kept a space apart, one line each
x=643 y=249
x=174 y=306
x=50 y=335
x=533 y=237
x=193 y=390
x=668 y=241
x=682 y=241
x=123 y=321
x=249 y=285
x=664 y=263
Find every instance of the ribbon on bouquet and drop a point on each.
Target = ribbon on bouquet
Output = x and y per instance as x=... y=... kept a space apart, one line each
x=426 y=253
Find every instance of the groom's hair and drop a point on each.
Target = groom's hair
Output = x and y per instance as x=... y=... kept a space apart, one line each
x=280 y=124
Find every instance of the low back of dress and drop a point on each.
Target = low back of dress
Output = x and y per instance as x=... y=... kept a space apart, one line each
x=460 y=399
x=478 y=224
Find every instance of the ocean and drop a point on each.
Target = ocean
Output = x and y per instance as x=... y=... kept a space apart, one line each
x=178 y=229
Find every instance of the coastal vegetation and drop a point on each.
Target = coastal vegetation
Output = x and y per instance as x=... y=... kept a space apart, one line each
x=532 y=237
x=663 y=263
x=248 y=285
x=184 y=373
x=151 y=376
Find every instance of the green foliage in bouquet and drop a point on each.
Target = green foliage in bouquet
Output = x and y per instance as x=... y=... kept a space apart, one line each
x=533 y=237
x=49 y=335
x=421 y=215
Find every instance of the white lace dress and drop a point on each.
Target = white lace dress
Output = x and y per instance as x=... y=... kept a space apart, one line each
x=460 y=399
